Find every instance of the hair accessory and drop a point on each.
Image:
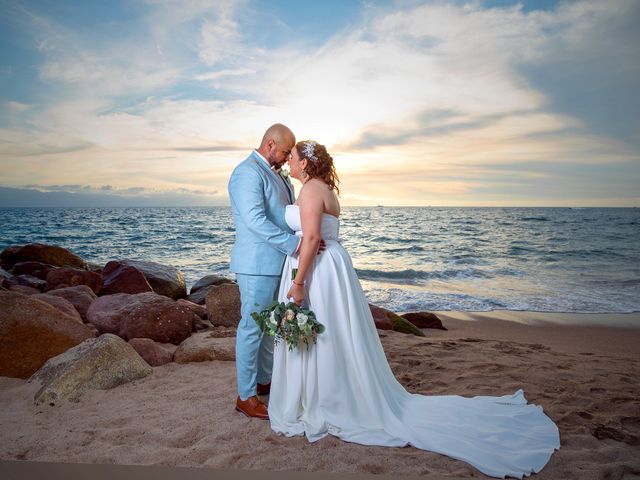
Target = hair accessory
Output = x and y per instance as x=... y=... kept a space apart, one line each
x=308 y=151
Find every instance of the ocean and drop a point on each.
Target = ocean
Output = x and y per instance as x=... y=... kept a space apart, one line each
x=579 y=260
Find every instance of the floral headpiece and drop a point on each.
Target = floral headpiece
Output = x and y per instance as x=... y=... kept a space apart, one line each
x=308 y=151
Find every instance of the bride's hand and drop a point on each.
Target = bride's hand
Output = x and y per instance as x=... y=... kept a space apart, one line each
x=296 y=292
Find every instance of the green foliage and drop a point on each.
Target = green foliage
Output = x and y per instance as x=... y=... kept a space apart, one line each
x=402 y=325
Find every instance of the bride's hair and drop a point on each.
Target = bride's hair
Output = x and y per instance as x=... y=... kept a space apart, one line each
x=319 y=163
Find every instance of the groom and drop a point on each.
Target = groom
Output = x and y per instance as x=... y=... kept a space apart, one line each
x=258 y=198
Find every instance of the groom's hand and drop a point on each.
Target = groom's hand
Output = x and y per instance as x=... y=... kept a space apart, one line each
x=321 y=247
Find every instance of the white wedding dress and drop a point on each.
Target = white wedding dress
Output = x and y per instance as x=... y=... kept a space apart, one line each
x=343 y=384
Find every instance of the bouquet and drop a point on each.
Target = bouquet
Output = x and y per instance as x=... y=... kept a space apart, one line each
x=290 y=322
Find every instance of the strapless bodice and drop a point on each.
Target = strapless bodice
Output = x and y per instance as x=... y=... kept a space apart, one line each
x=330 y=228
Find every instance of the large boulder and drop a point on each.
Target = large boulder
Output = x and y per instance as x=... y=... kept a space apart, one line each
x=31 y=332
x=424 y=320
x=71 y=277
x=200 y=289
x=80 y=296
x=200 y=296
x=203 y=347
x=164 y=279
x=62 y=304
x=398 y=323
x=223 y=305
x=98 y=363
x=154 y=353
x=26 y=281
x=39 y=252
x=380 y=318
x=37 y=269
x=199 y=310
x=143 y=315
x=23 y=289
x=119 y=278
x=208 y=281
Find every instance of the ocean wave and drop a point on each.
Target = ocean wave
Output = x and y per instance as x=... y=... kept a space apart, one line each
x=411 y=275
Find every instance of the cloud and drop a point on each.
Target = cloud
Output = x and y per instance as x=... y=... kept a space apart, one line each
x=437 y=90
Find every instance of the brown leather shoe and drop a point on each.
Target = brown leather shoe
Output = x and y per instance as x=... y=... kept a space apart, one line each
x=263 y=389
x=252 y=407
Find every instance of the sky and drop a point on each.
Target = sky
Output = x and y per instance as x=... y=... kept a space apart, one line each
x=441 y=103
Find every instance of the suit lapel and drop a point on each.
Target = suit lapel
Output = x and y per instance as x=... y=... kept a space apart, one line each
x=277 y=178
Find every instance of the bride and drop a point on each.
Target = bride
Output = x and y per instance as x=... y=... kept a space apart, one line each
x=343 y=384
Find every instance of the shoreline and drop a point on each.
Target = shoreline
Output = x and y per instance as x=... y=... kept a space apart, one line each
x=586 y=379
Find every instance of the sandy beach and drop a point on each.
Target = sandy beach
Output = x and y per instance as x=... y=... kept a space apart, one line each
x=580 y=369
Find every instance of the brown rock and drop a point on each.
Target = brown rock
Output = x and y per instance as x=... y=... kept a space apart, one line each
x=31 y=332
x=36 y=269
x=164 y=279
x=380 y=318
x=62 y=304
x=200 y=296
x=208 y=281
x=119 y=278
x=4 y=274
x=398 y=323
x=80 y=297
x=39 y=252
x=223 y=305
x=25 y=280
x=154 y=353
x=202 y=347
x=424 y=320
x=146 y=315
x=23 y=289
x=199 y=310
x=71 y=277
x=200 y=324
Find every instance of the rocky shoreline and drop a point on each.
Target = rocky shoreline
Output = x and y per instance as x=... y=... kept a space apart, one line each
x=69 y=325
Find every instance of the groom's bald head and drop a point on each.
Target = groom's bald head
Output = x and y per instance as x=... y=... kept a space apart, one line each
x=279 y=133
x=276 y=144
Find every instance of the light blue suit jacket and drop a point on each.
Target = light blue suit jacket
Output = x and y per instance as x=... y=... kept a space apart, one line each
x=258 y=199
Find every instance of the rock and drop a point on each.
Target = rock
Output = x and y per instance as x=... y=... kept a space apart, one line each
x=199 y=310
x=164 y=279
x=62 y=304
x=154 y=353
x=98 y=363
x=203 y=347
x=23 y=289
x=398 y=323
x=200 y=296
x=145 y=315
x=424 y=320
x=31 y=332
x=25 y=280
x=4 y=274
x=220 y=332
x=208 y=281
x=39 y=252
x=71 y=277
x=119 y=278
x=380 y=318
x=223 y=305
x=200 y=324
x=80 y=296
x=37 y=269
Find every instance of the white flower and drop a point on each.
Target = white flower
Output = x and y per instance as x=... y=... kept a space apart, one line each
x=289 y=315
x=302 y=319
x=272 y=318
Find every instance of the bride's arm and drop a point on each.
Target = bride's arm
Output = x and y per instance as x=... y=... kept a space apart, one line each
x=311 y=208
